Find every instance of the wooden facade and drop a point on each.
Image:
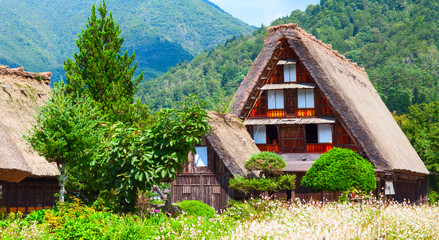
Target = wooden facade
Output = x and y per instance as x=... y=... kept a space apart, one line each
x=28 y=195
x=226 y=148
x=208 y=184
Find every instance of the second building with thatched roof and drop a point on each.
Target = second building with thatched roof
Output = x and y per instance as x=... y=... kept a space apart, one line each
x=27 y=181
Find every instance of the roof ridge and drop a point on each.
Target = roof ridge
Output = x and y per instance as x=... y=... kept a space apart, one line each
x=42 y=76
x=315 y=39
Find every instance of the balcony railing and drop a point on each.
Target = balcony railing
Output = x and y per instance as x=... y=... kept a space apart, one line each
x=276 y=113
x=319 y=148
x=268 y=147
x=306 y=112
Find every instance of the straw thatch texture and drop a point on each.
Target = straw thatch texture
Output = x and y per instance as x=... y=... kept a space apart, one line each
x=349 y=92
x=13 y=166
x=231 y=141
x=20 y=94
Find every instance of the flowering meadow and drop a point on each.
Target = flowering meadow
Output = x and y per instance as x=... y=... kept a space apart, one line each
x=255 y=219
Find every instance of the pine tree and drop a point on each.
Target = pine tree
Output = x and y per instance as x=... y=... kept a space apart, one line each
x=100 y=71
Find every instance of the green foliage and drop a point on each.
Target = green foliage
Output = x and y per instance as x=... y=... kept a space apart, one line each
x=269 y=164
x=340 y=170
x=162 y=33
x=433 y=198
x=197 y=208
x=63 y=125
x=265 y=161
x=132 y=159
x=36 y=216
x=421 y=126
x=101 y=72
x=62 y=131
x=271 y=184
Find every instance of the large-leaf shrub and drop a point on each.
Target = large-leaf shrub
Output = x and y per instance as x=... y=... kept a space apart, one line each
x=340 y=170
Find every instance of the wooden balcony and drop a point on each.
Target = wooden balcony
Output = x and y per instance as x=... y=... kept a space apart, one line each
x=319 y=147
x=268 y=147
x=306 y=112
x=276 y=113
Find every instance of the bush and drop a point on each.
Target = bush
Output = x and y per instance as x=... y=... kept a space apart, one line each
x=265 y=161
x=271 y=184
x=433 y=198
x=36 y=216
x=340 y=170
x=197 y=208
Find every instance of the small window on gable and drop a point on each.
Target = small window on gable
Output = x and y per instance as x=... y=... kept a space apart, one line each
x=305 y=98
x=290 y=73
x=276 y=99
x=259 y=135
x=201 y=157
x=318 y=133
x=325 y=133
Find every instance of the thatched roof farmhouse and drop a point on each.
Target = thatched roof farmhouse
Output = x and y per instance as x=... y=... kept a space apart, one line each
x=301 y=98
x=20 y=94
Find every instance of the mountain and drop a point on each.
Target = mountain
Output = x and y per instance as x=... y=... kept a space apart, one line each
x=396 y=41
x=41 y=34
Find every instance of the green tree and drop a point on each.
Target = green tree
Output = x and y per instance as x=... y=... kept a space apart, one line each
x=421 y=126
x=62 y=132
x=133 y=159
x=340 y=170
x=270 y=179
x=100 y=71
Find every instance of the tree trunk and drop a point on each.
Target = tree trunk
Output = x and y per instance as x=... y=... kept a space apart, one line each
x=62 y=190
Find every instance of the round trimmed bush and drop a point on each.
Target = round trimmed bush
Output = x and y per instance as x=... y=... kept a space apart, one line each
x=265 y=161
x=340 y=170
x=197 y=208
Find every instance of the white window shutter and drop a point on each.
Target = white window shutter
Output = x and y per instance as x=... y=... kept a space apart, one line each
x=301 y=98
x=325 y=133
x=259 y=135
x=289 y=73
x=279 y=99
x=271 y=100
x=201 y=157
x=309 y=98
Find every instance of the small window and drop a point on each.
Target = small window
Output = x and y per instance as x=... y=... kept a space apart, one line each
x=272 y=134
x=276 y=99
x=325 y=133
x=305 y=98
x=1 y=192
x=259 y=135
x=321 y=133
x=201 y=157
x=290 y=73
x=311 y=133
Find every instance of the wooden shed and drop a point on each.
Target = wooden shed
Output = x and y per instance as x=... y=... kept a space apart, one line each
x=301 y=98
x=27 y=181
x=221 y=156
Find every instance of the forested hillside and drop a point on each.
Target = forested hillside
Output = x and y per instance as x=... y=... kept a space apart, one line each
x=397 y=42
x=40 y=34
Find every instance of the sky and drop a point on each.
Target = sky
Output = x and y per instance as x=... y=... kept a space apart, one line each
x=257 y=12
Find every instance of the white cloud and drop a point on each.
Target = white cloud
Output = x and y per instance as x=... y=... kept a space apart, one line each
x=256 y=12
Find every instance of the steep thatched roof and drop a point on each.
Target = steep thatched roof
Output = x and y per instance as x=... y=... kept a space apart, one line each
x=348 y=90
x=231 y=141
x=20 y=94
